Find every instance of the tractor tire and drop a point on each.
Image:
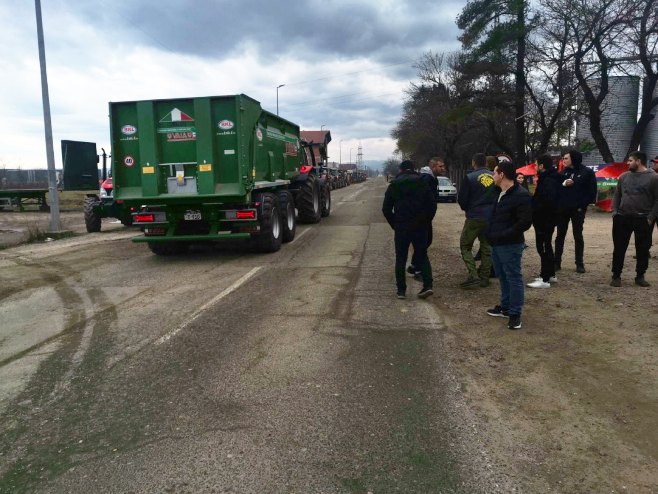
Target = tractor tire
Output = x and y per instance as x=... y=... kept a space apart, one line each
x=326 y=201
x=92 y=216
x=126 y=220
x=308 y=201
x=270 y=237
x=288 y=218
x=168 y=248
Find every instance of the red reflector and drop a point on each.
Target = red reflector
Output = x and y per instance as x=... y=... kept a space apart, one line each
x=119 y=201
x=144 y=218
x=245 y=215
x=305 y=169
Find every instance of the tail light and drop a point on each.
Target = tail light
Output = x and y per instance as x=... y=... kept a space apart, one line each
x=305 y=169
x=245 y=215
x=144 y=218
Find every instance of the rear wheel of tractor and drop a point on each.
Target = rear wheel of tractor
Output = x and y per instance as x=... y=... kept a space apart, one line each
x=326 y=201
x=308 y=200
x=126 y=219
x=269 y=238
x=92 y=216
x=288 y=219
x=168 y=248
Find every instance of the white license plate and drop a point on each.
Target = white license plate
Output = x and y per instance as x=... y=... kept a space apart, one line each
x=192 y=216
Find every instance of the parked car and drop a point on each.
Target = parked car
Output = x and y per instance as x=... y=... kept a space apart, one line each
x=446 y=190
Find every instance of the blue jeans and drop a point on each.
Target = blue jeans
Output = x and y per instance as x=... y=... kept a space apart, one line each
x=507 y=264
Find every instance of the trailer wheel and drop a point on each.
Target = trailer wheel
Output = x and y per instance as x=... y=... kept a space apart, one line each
x=270 y=236
x=308 y=200
x=126 y=219
x=326 y=201
x=92 y=216
x=288 y=219
x=168 y=248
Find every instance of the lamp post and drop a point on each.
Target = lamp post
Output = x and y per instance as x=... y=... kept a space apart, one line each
x=277 y=97
x=322 y=126
x=340 y=152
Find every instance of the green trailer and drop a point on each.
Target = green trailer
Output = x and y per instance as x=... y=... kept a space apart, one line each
x=213 y=168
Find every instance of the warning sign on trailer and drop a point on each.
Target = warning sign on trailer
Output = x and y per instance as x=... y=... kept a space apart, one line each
x=129 y=161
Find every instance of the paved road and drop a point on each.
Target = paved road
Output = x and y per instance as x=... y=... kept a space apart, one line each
x=223 y=370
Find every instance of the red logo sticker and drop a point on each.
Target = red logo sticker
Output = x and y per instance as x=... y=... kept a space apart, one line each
x=129 y=161
x=128 y=130
x=226 y=125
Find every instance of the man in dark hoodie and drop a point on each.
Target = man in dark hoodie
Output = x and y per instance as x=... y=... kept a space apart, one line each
x=476 y=197
x=511 y=216
x=409 y=207
x=577 y=192
x=634 y=210
x=544 y=209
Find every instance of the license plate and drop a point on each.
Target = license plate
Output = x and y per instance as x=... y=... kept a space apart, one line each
x=192 y=215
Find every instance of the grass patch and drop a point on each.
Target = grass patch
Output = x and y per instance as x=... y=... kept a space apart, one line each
x=36 y=234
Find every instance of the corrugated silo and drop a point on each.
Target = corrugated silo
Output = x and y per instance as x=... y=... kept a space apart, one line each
x=618 y=119
x=650 y=139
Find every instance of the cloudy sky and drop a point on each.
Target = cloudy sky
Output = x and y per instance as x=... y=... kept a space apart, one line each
x=345 y=64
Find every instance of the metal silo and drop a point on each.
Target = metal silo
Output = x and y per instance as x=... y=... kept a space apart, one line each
x=618 y=119
x=650 y=139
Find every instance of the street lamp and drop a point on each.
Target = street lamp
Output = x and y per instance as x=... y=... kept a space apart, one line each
x=321 y=126
x=340 y=152
x=277 y=97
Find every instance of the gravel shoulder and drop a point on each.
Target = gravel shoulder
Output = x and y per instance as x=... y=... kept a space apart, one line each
x=569 y=403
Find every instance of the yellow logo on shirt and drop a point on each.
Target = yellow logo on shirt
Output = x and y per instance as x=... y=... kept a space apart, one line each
x=486 y=180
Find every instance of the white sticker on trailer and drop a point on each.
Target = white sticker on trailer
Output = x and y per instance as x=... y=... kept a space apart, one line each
x=229 y=151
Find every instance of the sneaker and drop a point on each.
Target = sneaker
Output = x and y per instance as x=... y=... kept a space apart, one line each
x=616 y=282
x=470 y=282
x=484 y=282
x=411 y=269
x=498 y=311
x=539 y=283
x=514 y=322
x=640 y=281
x=401 y=295
x=552 y=279
x=579 y=269
x=425 y=292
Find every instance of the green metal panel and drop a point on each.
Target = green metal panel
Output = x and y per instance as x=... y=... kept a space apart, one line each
x=80 y=163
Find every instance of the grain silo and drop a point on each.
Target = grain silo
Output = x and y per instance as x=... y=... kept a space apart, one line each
x=618 y=119
x=650 y=139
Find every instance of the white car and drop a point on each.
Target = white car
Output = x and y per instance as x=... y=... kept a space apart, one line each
x=446 y=190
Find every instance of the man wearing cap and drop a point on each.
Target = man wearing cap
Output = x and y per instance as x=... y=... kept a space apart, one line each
x=634 y=210
x=409 y=207
x=577 y=192
x=436 y=167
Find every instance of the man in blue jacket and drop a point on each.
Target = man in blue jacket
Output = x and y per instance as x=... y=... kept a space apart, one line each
x=511 y=216
x=409 y=207
x=577 y=192
x=476 y=197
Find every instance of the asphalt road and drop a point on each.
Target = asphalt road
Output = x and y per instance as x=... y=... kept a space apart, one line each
x=224 y=370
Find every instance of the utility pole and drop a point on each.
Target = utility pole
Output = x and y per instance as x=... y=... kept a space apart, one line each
x=50 y=154
x=277 y=97
x=359 y=157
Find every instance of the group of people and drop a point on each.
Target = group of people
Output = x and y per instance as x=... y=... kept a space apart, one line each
x=499 y=209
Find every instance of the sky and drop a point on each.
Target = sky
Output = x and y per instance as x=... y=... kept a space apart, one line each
x=345 y=65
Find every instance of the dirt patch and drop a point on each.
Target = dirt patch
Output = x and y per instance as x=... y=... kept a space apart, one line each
x=570 y=402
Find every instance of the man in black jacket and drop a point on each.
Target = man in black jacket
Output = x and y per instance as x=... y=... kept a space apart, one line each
x=577 y=192
x=511 y=216
x=544 y=212
x=409 y=207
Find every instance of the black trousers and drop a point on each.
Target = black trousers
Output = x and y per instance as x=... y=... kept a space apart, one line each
x=415 y=262
x=577 y=218
x=403 y=239
x=622 y=229
x=544 y=229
